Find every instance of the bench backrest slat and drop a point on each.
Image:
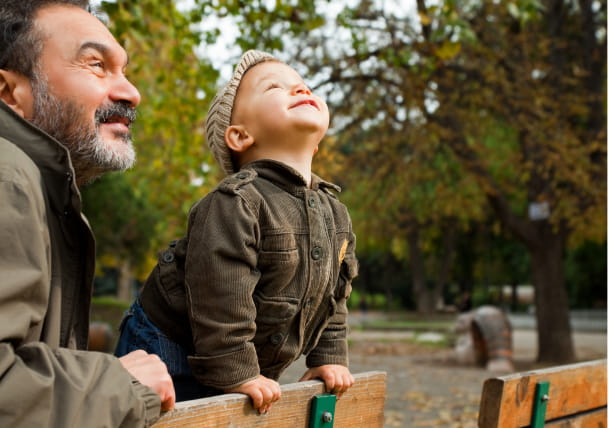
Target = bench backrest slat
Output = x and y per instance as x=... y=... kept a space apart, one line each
x=361 y=406
x=508 y=401
x=594 y=418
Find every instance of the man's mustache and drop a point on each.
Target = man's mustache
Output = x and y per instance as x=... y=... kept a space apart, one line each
x=119 y=111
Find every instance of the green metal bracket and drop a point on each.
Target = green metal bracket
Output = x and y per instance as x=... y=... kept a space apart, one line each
x=322 y=411
x=541 y=398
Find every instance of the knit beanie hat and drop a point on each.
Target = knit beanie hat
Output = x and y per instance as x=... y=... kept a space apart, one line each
x=219 y=114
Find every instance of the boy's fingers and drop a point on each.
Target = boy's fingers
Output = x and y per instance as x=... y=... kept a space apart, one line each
x=305 y=377
x=331 y=382
x=278 y=392
x=270 y=394
x=257 y=399
x=343 y=384
x=265 y=409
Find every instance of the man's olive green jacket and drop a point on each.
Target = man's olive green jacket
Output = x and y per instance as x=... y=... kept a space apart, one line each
x=47 y=256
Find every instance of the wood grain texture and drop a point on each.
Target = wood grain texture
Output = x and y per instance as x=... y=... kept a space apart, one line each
x=592 y=419
x=507 y=401
x=361 y=406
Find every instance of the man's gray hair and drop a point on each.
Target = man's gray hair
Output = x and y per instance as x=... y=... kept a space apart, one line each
x=20 y=43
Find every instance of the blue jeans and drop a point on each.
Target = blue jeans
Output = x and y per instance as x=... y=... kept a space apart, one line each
x=137 y=332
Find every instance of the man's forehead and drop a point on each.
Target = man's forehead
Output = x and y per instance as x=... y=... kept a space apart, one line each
x=74 y=28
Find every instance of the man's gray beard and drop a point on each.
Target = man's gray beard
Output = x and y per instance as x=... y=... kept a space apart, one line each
x=66 y=121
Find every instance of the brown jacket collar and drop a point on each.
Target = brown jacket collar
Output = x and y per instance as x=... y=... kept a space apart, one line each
x=287 y=177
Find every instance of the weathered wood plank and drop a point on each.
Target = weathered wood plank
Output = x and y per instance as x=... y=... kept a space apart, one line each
x=507 y=401
x=361 y=406
x=593 y=419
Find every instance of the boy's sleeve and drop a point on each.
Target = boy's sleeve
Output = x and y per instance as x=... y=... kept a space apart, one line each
x=220 y=278
x=332 y=346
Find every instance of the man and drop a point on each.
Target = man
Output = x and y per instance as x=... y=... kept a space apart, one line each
x=65 y=116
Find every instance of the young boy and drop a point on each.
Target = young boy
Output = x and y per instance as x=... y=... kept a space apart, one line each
x=264 y=272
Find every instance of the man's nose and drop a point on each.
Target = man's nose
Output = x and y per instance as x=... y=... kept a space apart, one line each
x=124 y=90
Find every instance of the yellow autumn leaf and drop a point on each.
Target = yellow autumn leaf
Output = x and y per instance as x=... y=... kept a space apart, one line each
x=448 y=50
x=424 y=19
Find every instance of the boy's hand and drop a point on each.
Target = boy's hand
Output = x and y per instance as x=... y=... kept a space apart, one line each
x=262 y=390
x=336 y=378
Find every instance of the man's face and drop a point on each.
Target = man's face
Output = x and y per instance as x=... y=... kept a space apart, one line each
x=80 y=93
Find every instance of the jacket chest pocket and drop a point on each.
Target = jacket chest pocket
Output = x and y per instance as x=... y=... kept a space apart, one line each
x=278 y=262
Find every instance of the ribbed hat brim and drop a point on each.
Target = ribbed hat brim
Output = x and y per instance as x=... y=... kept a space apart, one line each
x=221 y=108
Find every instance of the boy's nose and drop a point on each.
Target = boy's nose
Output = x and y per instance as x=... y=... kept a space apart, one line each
x=300 y=89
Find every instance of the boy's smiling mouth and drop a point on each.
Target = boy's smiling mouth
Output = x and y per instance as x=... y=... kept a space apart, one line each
x=308 y=102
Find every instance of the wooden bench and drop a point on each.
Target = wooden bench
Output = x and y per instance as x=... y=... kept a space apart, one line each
x=361 y=406
x=567 y=396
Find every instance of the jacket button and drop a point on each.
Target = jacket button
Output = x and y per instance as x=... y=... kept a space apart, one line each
x=316 y=253
x=242 y=175
x=276 y=338
x=168 y=257
x=312 y=202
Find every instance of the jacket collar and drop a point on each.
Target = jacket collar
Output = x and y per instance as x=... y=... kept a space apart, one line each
x=50 y=156
x=287 y=177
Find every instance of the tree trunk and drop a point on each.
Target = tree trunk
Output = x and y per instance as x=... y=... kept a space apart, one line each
x=514 y=296
x=555 y=343
x=427 y=298
x=424 y=300
x=445 y=262
x=124 y=282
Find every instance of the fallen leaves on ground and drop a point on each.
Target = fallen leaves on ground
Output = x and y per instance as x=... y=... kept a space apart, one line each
x=425 y=388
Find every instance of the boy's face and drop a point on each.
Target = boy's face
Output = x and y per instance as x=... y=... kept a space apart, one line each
x=277 y=108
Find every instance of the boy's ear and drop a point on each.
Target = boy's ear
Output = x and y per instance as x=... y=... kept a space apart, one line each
x=238 y=139
x=16 y=92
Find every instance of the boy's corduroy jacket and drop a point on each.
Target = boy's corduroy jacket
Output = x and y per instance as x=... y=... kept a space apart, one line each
x=269 y=265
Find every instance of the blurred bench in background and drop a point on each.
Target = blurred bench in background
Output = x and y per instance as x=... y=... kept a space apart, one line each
x=568 y=396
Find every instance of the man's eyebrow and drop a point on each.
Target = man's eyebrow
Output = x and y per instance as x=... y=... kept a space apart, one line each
x=101 y=47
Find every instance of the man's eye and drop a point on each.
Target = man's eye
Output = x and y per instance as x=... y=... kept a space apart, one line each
x=273 y=86
x=97 y=64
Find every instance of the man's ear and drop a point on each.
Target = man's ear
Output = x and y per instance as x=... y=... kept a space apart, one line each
x=16 y=92
x=238 y=139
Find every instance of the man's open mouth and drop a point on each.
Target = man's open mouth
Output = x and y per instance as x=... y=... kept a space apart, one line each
x=116 y=113
x=117 y=119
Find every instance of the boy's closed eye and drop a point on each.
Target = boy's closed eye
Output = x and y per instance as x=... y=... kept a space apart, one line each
x=273 y=85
